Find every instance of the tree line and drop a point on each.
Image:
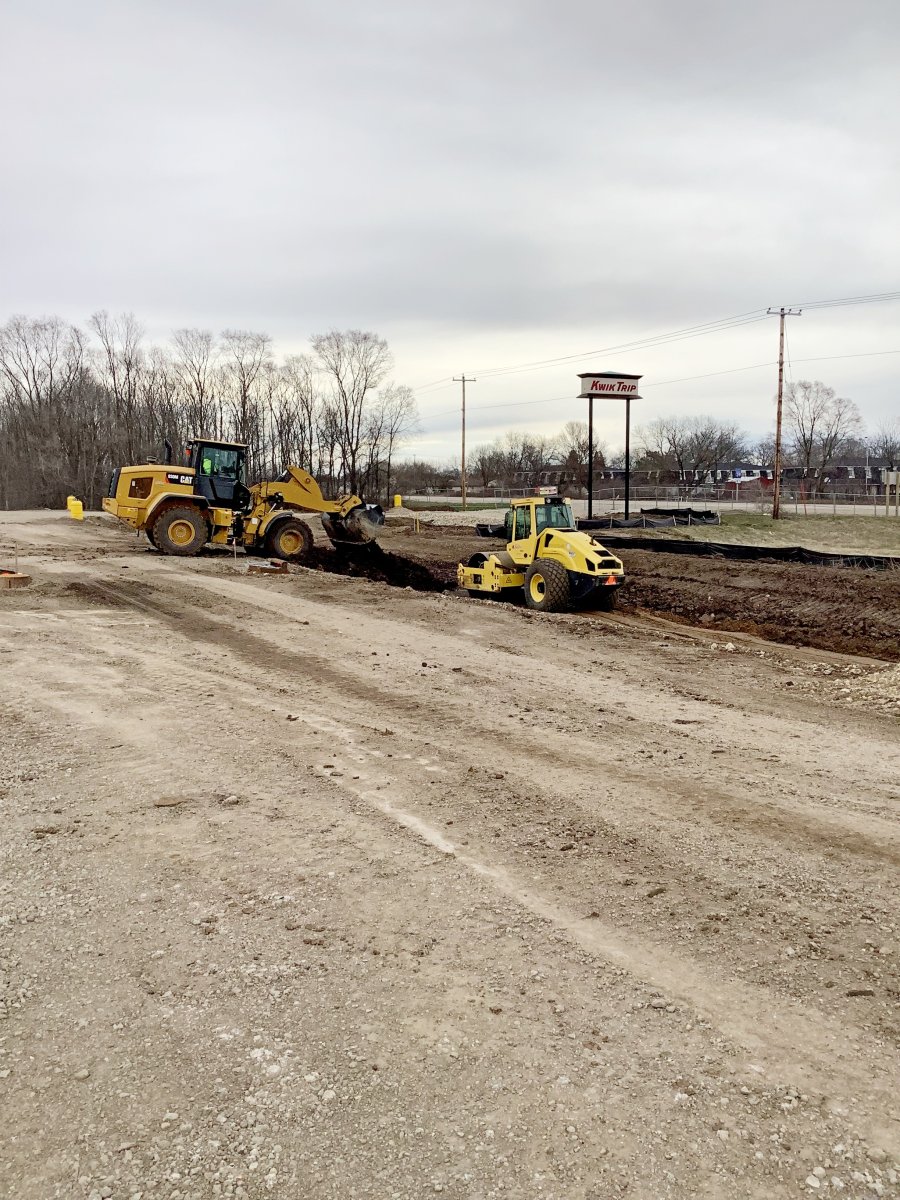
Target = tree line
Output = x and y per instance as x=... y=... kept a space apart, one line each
x=820 y=429
x=77 y=403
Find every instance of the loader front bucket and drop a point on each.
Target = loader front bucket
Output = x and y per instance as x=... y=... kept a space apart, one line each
x=358 y=527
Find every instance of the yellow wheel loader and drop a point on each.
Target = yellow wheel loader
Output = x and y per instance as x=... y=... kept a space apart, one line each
x=182 y=508
x=554 y=563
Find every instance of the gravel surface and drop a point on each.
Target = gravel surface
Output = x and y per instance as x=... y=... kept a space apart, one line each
x=316 y=887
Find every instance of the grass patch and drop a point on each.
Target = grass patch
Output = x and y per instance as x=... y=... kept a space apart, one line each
x=841 y=535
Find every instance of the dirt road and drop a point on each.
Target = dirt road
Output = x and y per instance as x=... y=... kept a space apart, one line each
x=313 y=887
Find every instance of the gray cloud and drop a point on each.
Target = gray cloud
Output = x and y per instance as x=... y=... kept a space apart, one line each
x=456 y=169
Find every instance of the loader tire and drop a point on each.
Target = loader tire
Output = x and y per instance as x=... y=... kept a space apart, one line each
x=547 y=586
x=289 y=540
x=180 y=531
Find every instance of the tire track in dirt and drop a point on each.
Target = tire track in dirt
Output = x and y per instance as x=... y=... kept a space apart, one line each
x=705 y=995
x=819 y=829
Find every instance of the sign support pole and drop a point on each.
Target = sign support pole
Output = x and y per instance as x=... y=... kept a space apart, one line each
x=590 y=463
x=615 y=386
x=627 y=455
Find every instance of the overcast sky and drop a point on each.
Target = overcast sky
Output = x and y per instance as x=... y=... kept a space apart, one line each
x=485 y=184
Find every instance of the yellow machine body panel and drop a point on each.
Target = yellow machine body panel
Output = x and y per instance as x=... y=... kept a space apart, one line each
x=492 y=575
x=541 y=531
x=182 y=508
x=140 y=490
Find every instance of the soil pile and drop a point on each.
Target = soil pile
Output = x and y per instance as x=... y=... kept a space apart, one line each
x=852 y=612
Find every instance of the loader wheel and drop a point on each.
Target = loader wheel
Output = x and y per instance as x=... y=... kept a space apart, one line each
x=547 y=586
x=289 y=540
x=181 y=531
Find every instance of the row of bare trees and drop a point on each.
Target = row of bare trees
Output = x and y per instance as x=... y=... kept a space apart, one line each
x=76 y=403
x=689 y=447
x=684 y=446
x=821 y=429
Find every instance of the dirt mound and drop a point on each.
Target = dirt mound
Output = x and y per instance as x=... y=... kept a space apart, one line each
x=373 y=562
x=854 y=612
x=850 y=611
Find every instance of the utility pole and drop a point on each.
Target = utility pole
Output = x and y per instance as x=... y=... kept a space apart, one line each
x=462 y=474
x=781 y=313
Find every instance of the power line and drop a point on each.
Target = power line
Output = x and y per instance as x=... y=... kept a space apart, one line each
x=426 y=386
x=664 y=382
x=647 y=343
x=834 y=357
x=651 y=341
x=846 y=301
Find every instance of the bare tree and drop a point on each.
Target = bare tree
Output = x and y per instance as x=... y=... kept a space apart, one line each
x=355 y=363
x=712 y=443
x=573 y=448
x=72 y=409
x=195 y=366
x=302 y=401
x=245 y=355
x=885 y=443
x=42 y=384
x=391 y=418
x=664 y=444
x=417 y=476
x=763 y=451
x=820 y=424
x=487 y=462
x=120 y=362
x=692 y=447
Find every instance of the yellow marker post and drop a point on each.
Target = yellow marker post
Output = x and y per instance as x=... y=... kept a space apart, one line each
x=398 y=502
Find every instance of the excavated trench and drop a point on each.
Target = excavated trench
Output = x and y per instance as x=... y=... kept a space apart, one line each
x=372 y=562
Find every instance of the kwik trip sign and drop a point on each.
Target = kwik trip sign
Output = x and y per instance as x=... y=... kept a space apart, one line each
x=607 y=383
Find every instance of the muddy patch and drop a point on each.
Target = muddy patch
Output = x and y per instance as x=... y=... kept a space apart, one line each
x=381 y=566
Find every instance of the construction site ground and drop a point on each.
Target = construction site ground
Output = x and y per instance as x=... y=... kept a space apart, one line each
x=843 y=609
x=313 y=886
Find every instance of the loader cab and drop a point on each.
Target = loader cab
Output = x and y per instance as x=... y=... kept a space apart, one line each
x=219 y=472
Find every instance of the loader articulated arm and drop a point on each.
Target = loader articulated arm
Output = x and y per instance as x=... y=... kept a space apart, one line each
x=295 y=489
x=347 y=519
